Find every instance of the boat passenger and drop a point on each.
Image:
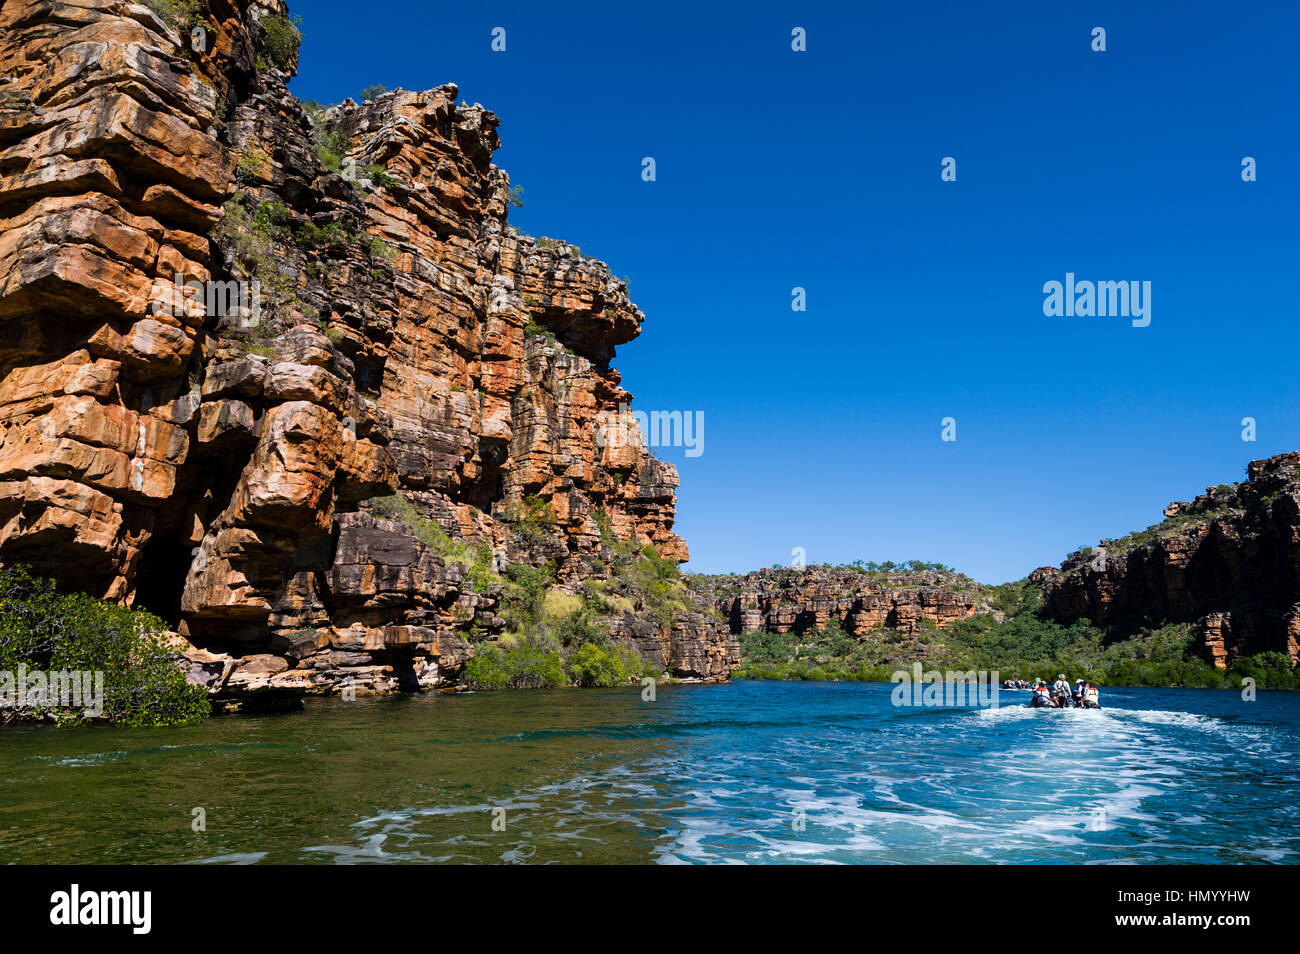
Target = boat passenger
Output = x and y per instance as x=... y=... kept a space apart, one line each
x=1061 y=691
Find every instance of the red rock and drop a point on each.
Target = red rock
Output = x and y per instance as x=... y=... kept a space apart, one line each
x=233 y=464
x=1227 y=562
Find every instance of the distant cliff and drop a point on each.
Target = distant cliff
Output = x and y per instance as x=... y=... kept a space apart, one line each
x=327 y=480
x=1227 y=562
x=796 y=600
x=1218 y=579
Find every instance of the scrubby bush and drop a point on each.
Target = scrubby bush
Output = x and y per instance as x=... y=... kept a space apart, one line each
x=525 y=595
x=178 y=14
x=532 y=517
x=476 y=558
x=379 y=175
x=332 y=236
x=255 y=234
x=281 y=38
x=518 y=667
x=43 y=629
x=534 y=329
x=329 y=147
x=381 y=251
x=251 y=162
x=582 y=628
x=596 y=666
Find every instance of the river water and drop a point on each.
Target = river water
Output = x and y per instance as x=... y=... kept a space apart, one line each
x=757 y=772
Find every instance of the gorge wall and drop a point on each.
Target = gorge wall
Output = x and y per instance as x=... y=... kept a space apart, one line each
x=796 y=600
x=1227 y=562
x=329 y=485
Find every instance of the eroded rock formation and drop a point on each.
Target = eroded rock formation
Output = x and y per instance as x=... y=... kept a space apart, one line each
x=797 y=600
x=1227 y=562
x=217 y=459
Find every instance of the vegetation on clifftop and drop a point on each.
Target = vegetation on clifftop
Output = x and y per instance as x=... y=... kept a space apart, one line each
x=178 y=14
x=281 y=38
x=859 y=572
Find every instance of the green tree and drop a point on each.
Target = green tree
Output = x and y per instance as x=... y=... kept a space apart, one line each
x=44 y=629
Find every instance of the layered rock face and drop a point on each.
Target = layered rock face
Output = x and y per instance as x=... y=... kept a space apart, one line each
x=1227 y=562
x=214 y=453
x=798 y=600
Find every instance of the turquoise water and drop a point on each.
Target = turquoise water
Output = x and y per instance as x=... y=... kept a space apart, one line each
x=750 y=772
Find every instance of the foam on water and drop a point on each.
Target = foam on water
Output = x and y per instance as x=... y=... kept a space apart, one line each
x=751 y=773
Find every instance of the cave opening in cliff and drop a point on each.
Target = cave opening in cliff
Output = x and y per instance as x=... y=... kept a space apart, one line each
x=489 y=486
x=160 y=578
x=369 y=371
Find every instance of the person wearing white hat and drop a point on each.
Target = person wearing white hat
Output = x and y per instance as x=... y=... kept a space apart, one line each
x=1061 y=692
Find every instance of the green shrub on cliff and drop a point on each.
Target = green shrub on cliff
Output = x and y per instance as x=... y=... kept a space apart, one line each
x=532 y=517
x=653 y=582
x=251 y=162
x=476 y=558
x=329 y=147
x=381 y=251
x=45 y=630
x=525 y=596
x=255 y=234
x=575 y=626
x=378 y=174
x=330 y=236
x=177 y=14
x=574 y=622
x=582 y=627
x=281 y=38
x=540 y=331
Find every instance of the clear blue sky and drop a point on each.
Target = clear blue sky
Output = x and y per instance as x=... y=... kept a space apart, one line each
x=822 y=169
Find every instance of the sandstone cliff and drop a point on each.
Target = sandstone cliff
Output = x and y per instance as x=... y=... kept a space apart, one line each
x=1227 y=562
x=328 y=483
x=797 y=600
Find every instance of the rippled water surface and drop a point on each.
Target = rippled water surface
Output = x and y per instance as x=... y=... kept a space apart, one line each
x=705 y=773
